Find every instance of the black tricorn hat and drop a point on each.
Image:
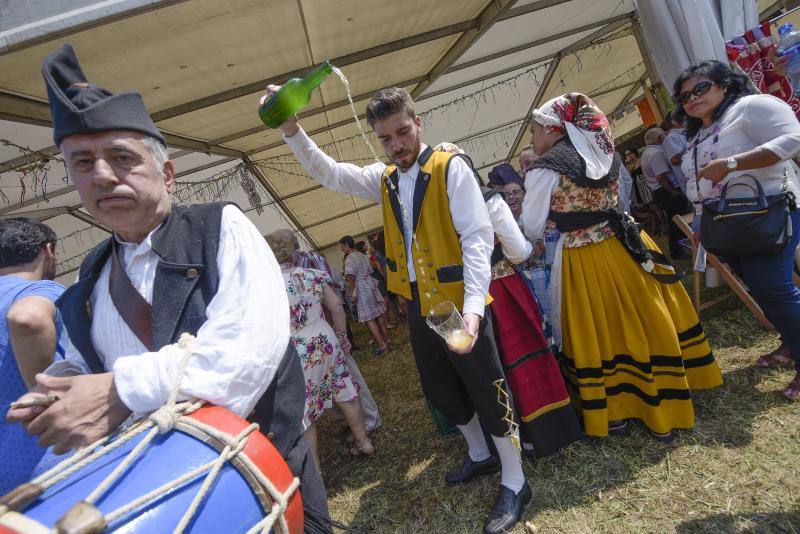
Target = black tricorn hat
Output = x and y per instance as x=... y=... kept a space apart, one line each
x=80 y=107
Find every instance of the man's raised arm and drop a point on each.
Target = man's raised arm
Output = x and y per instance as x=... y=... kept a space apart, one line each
x=364 y=182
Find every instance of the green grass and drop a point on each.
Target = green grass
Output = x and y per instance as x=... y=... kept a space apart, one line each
x=737 y=471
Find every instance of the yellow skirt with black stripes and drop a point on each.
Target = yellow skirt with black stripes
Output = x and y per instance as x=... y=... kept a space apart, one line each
x=633 y=347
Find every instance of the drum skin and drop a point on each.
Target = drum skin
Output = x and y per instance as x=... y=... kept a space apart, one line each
x=230 y=506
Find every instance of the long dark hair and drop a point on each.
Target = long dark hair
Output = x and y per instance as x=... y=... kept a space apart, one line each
x=735 y=83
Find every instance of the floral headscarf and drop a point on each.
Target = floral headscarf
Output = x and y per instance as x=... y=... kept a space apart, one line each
x=587 y=127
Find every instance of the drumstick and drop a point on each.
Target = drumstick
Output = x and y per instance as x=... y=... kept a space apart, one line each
x=43 y=401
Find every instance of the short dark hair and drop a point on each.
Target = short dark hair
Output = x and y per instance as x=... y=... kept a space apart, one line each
x=348 y=241
x=387 y=102
x=361 y=247
x=22 y=239
x=672 y=118
x=735 y=83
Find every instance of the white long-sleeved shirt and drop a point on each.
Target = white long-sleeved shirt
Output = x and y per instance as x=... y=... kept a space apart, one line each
x=515 y=247
x=754 y=121
x=237 y=350
x=540 y=184
x=467 y=208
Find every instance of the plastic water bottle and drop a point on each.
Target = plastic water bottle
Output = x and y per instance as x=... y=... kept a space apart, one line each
x=293 y=96
x=790 y=47
x=551 y=236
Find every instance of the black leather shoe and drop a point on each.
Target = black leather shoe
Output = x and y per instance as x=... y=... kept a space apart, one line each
x=470 y=470
x=507 y=509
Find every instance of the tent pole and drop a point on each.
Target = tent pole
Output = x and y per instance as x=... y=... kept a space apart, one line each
x=654 y=103
x=654 y=97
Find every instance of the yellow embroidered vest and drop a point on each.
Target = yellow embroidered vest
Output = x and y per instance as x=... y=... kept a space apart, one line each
x=437 y=250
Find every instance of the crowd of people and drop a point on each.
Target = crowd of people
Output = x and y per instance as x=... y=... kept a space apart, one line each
x=578 y=325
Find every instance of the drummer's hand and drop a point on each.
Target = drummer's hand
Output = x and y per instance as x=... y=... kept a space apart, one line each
x=87 y=410
x=290 y=127
x=471 y=322
x=24 y=415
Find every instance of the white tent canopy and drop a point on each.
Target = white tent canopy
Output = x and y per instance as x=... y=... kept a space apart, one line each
x=682 y=33
x=473 y=66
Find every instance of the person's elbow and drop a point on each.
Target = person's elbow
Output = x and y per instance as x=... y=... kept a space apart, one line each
x=26 y=319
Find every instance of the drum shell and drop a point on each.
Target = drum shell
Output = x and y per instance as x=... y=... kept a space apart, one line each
x=234 y=503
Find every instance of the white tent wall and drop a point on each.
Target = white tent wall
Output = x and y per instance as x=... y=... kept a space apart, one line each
x=681 y=33
x=473 y=66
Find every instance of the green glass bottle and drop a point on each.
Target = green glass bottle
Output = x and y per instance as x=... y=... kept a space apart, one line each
x=293 y=95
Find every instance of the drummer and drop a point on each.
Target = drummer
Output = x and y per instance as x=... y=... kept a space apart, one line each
x=167 y=269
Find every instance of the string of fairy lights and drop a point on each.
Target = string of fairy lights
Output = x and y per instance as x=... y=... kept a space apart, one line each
x=284 y=170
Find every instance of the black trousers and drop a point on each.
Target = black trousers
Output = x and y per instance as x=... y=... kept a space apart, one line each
x=672 y=205
x=279 y=414
x=459 y=385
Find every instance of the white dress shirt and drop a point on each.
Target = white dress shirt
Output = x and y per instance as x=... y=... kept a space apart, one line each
x=625 y=189
x=515 y=247
x=467 y=208
x=237 y=350
x=675 y=144
x=539 y=186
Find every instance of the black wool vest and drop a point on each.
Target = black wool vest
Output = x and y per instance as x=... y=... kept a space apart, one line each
x=186 y=281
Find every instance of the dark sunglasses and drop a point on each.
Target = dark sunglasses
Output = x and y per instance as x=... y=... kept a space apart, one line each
x=698 y=90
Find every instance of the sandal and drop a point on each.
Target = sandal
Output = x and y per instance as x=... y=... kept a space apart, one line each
x=618 y=428
x=351 y=439
x=367 y=449
x=780 y=357
x=663 y=438
x=379 y=352
x=792 y=391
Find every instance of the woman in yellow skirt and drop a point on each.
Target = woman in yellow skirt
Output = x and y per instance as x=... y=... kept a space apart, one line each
x=631 y=343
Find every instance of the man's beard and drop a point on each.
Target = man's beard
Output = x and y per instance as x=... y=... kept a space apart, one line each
x=49 y=270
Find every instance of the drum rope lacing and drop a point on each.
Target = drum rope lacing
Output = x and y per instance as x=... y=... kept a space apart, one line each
x=159 y=422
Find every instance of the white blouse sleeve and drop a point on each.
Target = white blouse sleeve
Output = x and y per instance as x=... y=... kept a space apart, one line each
x=539 y=187
x=771 y=123
x=238 y=349
x=515 y=247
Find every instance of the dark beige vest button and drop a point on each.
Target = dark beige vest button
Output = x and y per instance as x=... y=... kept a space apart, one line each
x=434 y=290
x=192 y=273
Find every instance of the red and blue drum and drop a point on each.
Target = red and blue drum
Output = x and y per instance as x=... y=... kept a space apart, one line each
x=233 y=504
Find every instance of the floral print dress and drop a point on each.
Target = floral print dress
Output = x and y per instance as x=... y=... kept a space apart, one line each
x=324 y=367
x=369 y=301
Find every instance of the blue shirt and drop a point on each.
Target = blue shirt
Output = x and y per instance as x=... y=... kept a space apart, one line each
x=19 y=452
x=674 y=144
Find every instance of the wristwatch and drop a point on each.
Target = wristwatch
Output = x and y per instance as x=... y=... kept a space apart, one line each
x=731 y=163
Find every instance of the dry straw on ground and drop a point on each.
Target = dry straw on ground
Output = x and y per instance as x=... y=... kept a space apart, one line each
x=737 y=471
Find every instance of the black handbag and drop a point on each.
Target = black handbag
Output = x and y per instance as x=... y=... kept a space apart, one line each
x=749 y=226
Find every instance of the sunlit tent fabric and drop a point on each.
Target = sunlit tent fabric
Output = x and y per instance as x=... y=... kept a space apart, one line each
x=475 y=67
x=681 y=33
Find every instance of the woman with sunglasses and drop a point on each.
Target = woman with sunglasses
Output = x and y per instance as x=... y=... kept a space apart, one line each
x=734 y=132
